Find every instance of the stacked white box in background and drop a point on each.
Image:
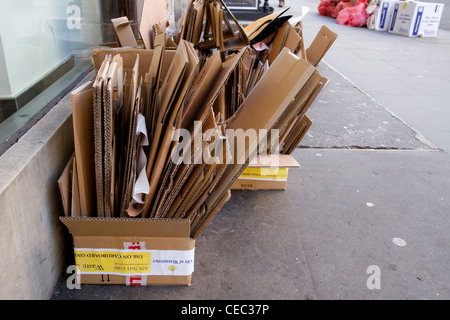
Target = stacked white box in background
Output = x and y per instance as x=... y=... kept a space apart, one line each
x=414 y=19
x=380 y=20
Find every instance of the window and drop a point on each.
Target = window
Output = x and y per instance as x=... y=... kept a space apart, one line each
x=45 y=50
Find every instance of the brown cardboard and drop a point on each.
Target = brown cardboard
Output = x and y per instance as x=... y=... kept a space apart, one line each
x=128 y=237
x=200 y=226
x=273 y=161
x=172 y=118
x=200 y=88
x=64 y=185
x=151 y=89
x=278 y=42
x=124 y=33
x=262 y=109
x=242 y=35
x=105 y=234
x=228 y=67
x=219 y=32
x=270 y=100
x=293 y=40
x=168 y=95
x=131 y=146
x=153 y=11
x=98 y=133
x=75 y=205
x=178 y=174
x=299 y=106
x=113 y=92
x=129 y=58
x=302 y=50
x=290 y=129
x=208 y=96
x=286 y=37
x=254 y=72
x=320 y=45
x=181 y=175
x=83 y=130
x=210 y=176
x=117 y=45
x=297 y=135
x=193 y=24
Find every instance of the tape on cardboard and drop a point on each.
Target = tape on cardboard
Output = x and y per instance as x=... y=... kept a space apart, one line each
x=132 y=262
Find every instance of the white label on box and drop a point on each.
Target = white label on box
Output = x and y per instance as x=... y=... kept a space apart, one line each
x=135 y=262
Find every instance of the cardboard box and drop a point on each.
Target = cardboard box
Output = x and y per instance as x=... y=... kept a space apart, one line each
x=414 y=19
x=136 y=252
x=381 y=19
x=261 y=175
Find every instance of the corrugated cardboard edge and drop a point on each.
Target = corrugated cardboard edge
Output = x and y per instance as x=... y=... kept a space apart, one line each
x=267 y=161
x=127 y=227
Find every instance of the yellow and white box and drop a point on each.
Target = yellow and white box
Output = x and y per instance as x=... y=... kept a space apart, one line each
x=135 y=252
x=264 y=174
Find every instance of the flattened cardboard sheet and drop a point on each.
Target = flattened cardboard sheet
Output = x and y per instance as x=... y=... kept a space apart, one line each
x=65 y=187
x=262 y=109
x=124 y=33
x=153 y=11
x=112 y=101
x=83 y=129
x=320 y=45
x=297 y=135
x=98 y=135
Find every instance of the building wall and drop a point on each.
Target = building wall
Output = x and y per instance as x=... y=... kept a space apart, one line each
x=32 y=240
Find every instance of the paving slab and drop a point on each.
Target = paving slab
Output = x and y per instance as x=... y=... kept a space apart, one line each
x=339 y=216
x=352 y=204
x=346 y=117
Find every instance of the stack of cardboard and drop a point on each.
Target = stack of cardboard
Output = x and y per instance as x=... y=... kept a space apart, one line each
x=162 y=135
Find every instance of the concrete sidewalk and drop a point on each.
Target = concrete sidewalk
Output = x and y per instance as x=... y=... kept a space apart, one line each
x=372 y=190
